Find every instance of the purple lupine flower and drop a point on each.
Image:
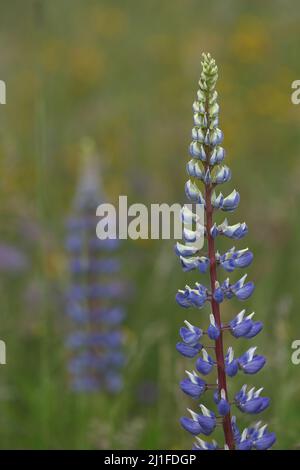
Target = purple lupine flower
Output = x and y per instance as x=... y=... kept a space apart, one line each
x=204 y=364
x=199 y=444
x=204 y=423
x=206 y=166
x=207 y=420
x=244 y=442
x=187 y=350
x=233 y=259
x=192 y=297
x=257 y=437
x=251 y=401
x=250 y=362
x=231 y=364
x=193 y=385
x=95 y=342
x=223 y=404
x=190 y=334
x=213 y=330
x=262 y=438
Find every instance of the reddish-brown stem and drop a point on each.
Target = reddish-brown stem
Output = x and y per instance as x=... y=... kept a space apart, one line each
x=222 y=384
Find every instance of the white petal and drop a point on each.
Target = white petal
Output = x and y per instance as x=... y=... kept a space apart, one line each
x=258 y=392
x=205 y=355
x=230 y=354
x=240 y=316
x=193 y=414
x=205 y=411
x=244 y=435
x=189 y=325
x=251 y=352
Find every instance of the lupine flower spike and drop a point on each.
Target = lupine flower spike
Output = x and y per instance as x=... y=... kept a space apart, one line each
x=206 y=166
x=95 y=342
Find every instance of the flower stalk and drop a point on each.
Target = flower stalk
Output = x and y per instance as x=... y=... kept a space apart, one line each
x=220 y=362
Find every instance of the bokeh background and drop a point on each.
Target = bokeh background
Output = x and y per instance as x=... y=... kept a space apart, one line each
x=125 y=73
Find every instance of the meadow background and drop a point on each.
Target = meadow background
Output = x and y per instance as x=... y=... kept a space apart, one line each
x=125 y=74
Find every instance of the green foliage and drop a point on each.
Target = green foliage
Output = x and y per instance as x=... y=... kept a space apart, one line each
x=124 y=73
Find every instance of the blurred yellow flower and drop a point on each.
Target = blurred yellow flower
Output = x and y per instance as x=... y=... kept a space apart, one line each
x=107 y=21
x=250 y=41
x=54 y=263
x=86 y=65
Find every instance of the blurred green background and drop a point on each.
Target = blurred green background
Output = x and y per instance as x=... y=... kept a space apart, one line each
x=125 y=73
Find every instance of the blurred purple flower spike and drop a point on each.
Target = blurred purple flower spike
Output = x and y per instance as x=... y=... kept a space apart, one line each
x=95 y=343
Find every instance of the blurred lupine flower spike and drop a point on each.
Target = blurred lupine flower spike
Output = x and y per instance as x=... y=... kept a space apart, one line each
x=206 y=166
x=94 y=296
